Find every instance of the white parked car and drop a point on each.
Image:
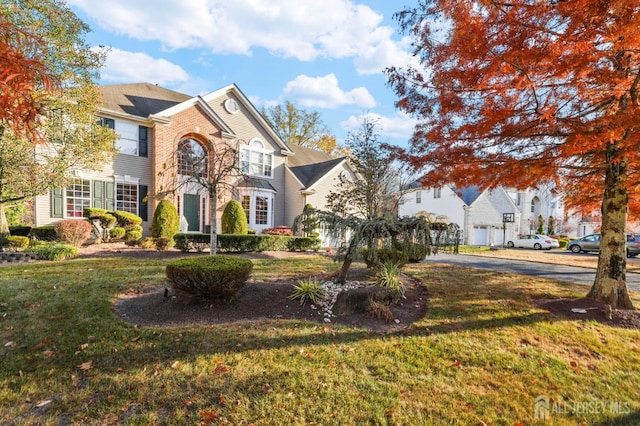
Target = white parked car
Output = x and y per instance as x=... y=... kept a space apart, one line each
x=534 y=241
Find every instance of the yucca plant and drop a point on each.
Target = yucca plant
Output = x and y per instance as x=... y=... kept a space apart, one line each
x=389 y=276
x=307 y=290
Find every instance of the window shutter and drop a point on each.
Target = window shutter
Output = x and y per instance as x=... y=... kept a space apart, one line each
x=143 y=141
x=97 y=199
x=109 y=196
x=143 y=205
x=57 y=203
x=107 y=122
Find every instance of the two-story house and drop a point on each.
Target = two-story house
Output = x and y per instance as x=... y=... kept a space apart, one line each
x=157 y=127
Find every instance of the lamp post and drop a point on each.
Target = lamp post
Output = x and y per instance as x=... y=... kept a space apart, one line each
x=506 y=218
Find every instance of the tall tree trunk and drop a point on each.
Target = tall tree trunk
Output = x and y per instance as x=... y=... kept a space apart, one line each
x=4 y=224
x=610 y=283
x=213 y=236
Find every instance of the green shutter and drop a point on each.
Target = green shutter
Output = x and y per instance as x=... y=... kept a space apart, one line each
x=109 y=196
x=143 y=141
x=97 y=199
x=142 y=202
x=57 y=203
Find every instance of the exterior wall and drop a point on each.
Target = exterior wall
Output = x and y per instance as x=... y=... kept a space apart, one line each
x=449 y=204
x=246 y=128
x=485 y=226
x=294 y=199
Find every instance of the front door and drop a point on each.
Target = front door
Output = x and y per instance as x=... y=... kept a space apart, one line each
x=192 y=212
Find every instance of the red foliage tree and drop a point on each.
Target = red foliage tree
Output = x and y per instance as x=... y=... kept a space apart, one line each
x=522 y=92
x=24 y=79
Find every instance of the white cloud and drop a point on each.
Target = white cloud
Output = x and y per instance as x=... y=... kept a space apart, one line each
x=399 y=127
x=122 y=66
x=304 y=30
x=325 y=92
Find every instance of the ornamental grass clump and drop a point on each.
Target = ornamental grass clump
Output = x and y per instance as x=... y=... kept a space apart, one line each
x=307 y=290
x=217 y=277
x=388 y=275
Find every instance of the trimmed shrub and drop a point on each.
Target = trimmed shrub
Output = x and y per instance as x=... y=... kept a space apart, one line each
x=164 y=243
x=133 y=235
x=378 y=257
x=147 y=243
x=13 y=243
x=53 y=251
x=73 y=231
x=166 y=222
x=217 y=277
x=20 y=230
x=278 y=230
x=44 y=233
x=117 y=232
x=234 y=219
x=127 y=220
x=106 y=218
x=303 y=244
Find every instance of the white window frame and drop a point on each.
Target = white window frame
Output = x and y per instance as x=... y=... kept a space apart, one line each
x=131 y=203
x=77 y=197
x=128 y=137
x=252 y=195
x=256 y=160
x=418 y=197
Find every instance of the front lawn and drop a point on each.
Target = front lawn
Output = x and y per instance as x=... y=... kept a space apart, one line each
x=482 y=355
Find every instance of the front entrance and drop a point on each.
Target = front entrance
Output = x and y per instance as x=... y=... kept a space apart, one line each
x=191 y=212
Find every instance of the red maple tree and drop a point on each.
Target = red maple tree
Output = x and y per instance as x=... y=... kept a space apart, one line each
x=522 y=92
x=24 y=79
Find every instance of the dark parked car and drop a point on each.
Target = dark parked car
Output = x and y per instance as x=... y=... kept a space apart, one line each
x=591 y=242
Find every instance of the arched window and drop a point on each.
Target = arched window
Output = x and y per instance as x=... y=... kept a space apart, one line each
x=256 y=160
x=192 y=158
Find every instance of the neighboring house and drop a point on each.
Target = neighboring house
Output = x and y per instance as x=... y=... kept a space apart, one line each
x=481 y=214
x=155 y=125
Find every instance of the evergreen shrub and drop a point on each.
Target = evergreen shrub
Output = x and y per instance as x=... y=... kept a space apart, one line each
x=13 y=243
x=44 y=233
x=207 y=277
x=234 y=219
x=166 y=222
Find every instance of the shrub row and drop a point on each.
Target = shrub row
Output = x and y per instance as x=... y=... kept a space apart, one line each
x=232 y=243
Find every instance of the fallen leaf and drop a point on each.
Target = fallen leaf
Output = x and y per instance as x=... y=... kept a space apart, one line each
x=175 y=364
x=208 y=416
x=9 y=344
x=221 y=368
x=85 y=365
x=266 y=388
x=457 y=363
x=573 y=364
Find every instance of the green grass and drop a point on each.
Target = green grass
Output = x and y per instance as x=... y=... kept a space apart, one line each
x=483 y=353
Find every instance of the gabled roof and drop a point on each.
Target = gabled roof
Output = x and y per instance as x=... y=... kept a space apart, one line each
x=468 y=194
x=310 y=165
x=139 y=99
x=235 y=91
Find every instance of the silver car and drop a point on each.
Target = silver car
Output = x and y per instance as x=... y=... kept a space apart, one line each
x=591 y=243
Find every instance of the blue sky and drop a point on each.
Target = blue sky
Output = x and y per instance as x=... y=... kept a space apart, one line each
x=322 y=55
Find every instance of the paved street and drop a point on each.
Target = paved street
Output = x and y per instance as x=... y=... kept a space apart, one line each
x=537 y=269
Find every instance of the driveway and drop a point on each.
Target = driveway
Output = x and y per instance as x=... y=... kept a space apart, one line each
x=537 y=269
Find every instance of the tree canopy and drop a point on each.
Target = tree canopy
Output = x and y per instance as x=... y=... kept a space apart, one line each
x=298 y=126
x=374 y=190
x=49 y=128
x=517 y=93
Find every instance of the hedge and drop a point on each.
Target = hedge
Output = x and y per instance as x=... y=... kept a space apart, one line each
x=230 y=243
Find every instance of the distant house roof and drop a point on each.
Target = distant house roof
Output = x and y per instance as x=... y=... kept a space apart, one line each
x=310 y=165
x=468 y=194
x=139 y=99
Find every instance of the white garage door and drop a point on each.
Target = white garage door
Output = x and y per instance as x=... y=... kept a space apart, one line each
x=480 y=236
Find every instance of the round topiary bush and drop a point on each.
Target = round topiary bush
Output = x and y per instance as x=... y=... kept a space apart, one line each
x=166 y=222
x=217 y=277
x=234 y=219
